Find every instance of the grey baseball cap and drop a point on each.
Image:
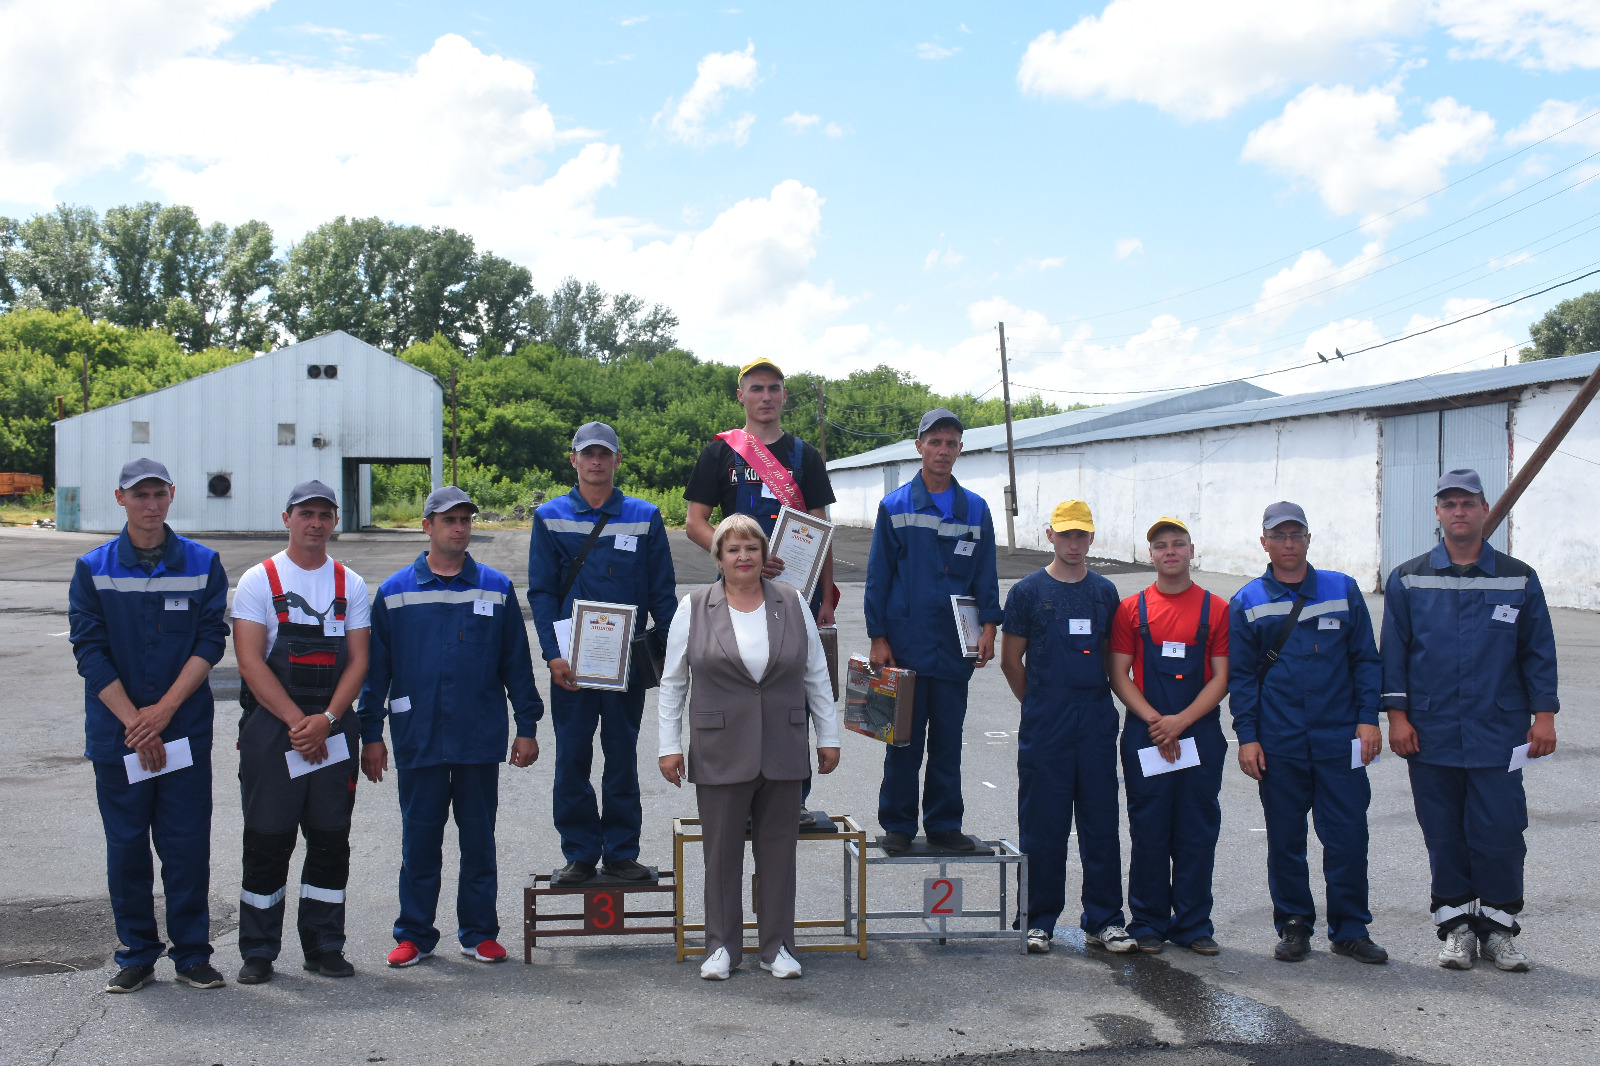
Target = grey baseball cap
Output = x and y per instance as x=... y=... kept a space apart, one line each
x=937 y=415
x=595 y=433
x=310 y=490
x=142 y=470
x=1283 y=511
x=1466 y=480
x=446 y=498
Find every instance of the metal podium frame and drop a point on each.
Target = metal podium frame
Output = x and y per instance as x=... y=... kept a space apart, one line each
x=1003 y=854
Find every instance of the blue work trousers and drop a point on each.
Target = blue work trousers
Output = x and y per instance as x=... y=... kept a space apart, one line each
x=606 y=830
x=1174 y=820
x=1336 y=797
x=173 y=811
x=939 y=712
x=1056 y=783
x=428 y=796
x=1472 y=822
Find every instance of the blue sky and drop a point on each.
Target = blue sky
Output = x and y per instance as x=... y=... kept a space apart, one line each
x=839 y=185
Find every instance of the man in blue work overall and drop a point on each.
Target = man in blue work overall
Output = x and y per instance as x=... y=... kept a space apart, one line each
x=448 y=646
x=1469 y=673
x=1054 y=654
x=1173 y=637
x=756 y=471
x=148 y=621
x=933 y=540
x=1303 y=682
x=595 y=543
x=302 y=623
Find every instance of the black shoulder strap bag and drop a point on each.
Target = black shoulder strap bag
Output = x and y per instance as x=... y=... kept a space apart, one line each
x=648 y=652
x=1280 y=640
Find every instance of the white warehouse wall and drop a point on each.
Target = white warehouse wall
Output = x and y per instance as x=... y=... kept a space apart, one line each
x=1552 y=526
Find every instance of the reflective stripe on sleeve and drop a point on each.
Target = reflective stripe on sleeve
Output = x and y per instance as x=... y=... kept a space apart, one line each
x=1458 y=584
x=569 y=525
x=151 y=584
x=396 y=600
x=933 y=522
x=1283 y=607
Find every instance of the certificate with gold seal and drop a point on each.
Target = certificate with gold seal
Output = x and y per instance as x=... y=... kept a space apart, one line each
x=801 y=540
x=602 y=642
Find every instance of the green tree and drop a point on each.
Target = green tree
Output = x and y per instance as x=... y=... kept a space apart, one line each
x=249 y=271
x=133 y=256
x=1571 y=327
x=55 y=261
x=338 y=277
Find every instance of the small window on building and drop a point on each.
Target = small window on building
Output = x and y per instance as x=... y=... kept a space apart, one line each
x=220 y=486
x=285 y=432
x=141 y=433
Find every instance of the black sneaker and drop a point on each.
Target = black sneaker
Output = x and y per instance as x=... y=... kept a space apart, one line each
x=330 y=964
x=131 y=979
x=1362 y=949
x=201 y=975
x=255 y=971
x=627 y=869
x=1294 y=942
x=952 y=840
x=1203 y=946
x=895 y=843
x=575 y=872
x=808 y=819
x=1150 y=944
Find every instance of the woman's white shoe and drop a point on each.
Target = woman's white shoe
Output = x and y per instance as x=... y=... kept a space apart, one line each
x=785 y=965
x=716 y=967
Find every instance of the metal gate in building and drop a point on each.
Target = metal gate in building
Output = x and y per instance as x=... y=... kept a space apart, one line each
x=1416 y=450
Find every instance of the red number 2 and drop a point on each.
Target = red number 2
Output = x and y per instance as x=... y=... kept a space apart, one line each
x=949 y=890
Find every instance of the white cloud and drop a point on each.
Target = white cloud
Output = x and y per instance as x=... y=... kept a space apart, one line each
x=1050 y=262
x=690 y=119
x=1128 y=246
x=943 y=256
x=1352 y=146
x=1553 y=118
x=929 y=50
x=1306 y=282
x=632 y=20
x=798 y=123
x=1204 y=59
x=833 y=129
x=1540 y=34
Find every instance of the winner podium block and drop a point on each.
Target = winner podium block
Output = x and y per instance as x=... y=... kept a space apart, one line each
x=942 y=896
x=604 y=907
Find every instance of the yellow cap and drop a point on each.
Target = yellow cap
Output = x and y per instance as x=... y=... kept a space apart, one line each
x=1164 y=520
x=757 y=364
x=1071 y=514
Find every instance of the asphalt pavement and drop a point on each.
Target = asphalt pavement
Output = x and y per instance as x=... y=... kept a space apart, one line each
x=626 y=1000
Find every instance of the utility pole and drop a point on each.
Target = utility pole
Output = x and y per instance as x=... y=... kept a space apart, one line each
x=455 y=435
x=1541 y=454
x=61 y=408
x=822 y=422
x=1011 y=455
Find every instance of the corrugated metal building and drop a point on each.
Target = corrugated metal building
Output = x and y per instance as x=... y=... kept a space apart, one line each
x=237 y=439
x=1361 y=461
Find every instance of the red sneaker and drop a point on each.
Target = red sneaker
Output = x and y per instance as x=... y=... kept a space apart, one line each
x=486 y=951
x=407 y=954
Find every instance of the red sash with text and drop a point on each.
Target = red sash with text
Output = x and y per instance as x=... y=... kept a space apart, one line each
x=773 y=474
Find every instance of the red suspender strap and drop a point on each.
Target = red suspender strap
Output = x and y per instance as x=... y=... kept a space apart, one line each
x=338 y=590
x=773 y=473
x=280 y=602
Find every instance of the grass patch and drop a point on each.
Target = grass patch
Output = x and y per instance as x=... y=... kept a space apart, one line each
x=26 y=510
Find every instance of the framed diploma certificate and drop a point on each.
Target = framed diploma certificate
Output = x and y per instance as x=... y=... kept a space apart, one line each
x=801 y=541
x=602 y=639
x=968 y=629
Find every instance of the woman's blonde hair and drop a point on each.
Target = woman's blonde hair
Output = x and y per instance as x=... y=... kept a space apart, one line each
x=741 y=524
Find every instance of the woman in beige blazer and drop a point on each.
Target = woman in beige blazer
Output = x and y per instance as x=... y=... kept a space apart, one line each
x=744 y=657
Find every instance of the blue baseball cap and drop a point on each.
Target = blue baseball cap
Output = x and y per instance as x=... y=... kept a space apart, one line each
x=142 y=470
x=595 y=433
x=310 y=490
x=446 y=498
x=1463 y=479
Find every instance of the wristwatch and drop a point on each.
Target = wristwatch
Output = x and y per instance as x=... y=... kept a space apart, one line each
x=333 y=719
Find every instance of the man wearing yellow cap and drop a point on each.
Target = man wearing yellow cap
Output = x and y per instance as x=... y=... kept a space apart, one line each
x=1173 y=637
x=1057 y=632
x=757 y=471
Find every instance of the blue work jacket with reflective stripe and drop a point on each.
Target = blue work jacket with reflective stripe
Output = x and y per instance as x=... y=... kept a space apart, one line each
x=915 y=566
x=1470 y=657
x=445 y=655
x=642 y=578
x=140 y=627
x=1328 y=674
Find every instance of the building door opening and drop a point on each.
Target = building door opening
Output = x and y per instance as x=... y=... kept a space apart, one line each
x=1416 y=450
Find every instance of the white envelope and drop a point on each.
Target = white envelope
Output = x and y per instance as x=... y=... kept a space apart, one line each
x=1152 y=763
x=1355 y=755
x=338 y=751
x=1519 y=758
x=179 y=755
x=564 y=637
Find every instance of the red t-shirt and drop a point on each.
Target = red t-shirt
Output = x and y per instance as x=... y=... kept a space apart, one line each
x=1171 y=618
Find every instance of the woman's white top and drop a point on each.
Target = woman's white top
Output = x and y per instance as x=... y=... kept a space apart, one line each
x=750 y=633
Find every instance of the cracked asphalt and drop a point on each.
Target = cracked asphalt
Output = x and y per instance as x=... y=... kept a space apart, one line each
x=625 y=1000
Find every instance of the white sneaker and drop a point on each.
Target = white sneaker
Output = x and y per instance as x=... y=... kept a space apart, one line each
x=1458 y=949
x=1114 y=938
x=1501 y=949
x=784 y=966
x=716 y=967
x=1038 y=942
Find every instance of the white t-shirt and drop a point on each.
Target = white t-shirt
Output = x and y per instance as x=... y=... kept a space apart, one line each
x=252 y=600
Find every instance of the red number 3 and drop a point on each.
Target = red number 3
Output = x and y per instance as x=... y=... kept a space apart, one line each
x=600 y=912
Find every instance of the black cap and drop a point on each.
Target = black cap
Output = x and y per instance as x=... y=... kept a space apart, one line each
x=446 y=498
x=310 y=490
x=1464 y=479
x=595 y=433
x=1283 y=511
x=142 y=470
x=937 y=415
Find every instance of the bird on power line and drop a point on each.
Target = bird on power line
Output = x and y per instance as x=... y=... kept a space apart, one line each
x=1339 y=354
x=1323 y=357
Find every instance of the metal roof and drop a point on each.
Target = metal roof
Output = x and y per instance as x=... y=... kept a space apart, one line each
x=1036 y=432
x=1367 y=397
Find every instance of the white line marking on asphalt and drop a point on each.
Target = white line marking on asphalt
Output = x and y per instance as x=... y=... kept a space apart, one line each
x=63 y=633
x=987 y=783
